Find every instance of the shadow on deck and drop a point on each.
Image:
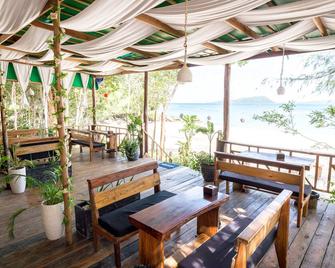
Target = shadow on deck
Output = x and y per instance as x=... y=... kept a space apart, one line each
x=312 y=245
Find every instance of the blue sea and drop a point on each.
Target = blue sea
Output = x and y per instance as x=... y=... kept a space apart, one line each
x=241 y=120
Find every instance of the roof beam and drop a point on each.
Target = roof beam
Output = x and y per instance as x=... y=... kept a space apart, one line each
x=321 y=27
x=167 y=28
x=233 y=22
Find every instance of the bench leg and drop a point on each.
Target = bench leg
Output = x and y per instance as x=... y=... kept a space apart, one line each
x=208 y=222
x=300 y=211
x=91 y=155
x=96 y=241
x=305 y=209
x=70 y=148
x=227 y=187
x=103 y=153
x=81 y=149
x=117 y=255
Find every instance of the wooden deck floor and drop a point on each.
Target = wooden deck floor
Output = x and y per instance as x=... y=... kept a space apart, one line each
x=313 y=245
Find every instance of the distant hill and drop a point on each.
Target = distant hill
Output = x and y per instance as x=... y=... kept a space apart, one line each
x=253 y=100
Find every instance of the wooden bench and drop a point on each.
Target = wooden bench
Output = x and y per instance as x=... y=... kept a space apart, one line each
x=115 y=225
x=244 y=242
x=238 y=169
x=85 y=139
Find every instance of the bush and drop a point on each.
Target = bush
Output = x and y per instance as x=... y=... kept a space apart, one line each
x=198 y=158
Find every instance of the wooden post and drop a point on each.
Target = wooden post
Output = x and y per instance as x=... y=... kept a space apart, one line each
x=3 y=118
x=55 y=15
x=226 y=102
x=94 y=118
x=145 y=113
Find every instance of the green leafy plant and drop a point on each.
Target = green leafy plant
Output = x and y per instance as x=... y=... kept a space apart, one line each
x=129 y=147
x=50 y=191
x=134 y=126
x=199 y=158
x=210 y=132
x=15 y=162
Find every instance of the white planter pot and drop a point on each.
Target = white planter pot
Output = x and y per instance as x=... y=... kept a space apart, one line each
x=52 y=218
x=18 y=180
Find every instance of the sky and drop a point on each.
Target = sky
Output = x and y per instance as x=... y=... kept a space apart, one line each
x=246 y=81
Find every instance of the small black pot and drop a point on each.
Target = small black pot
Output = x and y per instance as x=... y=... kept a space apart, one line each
x=133 y=157
x=83 y=214
x=208 y=172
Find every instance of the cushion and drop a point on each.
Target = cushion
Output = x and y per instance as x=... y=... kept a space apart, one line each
x=220 y=250
x=86 y=143
x=263 y=183
x=117 y=222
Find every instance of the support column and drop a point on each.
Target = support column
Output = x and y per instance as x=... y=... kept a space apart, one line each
x=3 y=118
x=226 y=102
x=94 y=118
x=55 y=15
x=145 y=113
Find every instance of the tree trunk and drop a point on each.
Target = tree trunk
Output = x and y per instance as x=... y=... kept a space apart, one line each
x=60 y=120
x=3 y=119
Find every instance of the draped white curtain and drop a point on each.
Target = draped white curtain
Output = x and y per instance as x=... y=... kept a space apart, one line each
x=209 y=32
x=103 y=14
x=278 y=38
x=16 y=14
x=46 y=74
x=102 y=66
x=315 y=44
x=202 y=12
x=23 y=72
x=82 y=103
x=4 y=69
x=110 y=45
x=67 y=84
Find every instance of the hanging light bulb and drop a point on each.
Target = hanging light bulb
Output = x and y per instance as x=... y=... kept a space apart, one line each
x=281 y=88
x=185 y=75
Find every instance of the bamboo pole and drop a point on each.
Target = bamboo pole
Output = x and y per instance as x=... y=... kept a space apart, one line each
x=145 y=113
x=226 y=102
x=60 y=119
x=94 y=116
x=154 y=135
x=3 y=117
x=161 y=140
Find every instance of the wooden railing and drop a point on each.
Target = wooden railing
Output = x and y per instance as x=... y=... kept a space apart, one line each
x=155 y=150
x=320 y=177
x=121 y=132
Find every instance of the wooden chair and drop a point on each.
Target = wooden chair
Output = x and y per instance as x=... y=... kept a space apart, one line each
x=85 y=139
x=250 y=242
x=115 y=225
x=238 y=169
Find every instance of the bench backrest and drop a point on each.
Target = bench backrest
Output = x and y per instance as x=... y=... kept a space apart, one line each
x=36 y=148
x=23 y=133
x=227 y=162
x=137 y=185
x=80 y=135
x=278 y=212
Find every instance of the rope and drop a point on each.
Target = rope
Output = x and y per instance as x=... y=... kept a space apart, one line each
x=282 y=66
x=185 y=32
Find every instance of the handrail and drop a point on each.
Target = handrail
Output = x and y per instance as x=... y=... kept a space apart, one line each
x=167 y=155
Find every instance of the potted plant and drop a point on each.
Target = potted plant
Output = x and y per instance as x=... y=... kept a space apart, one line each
x=130 y=148
x=52 y=206
x=206 y=160
x=17 y=173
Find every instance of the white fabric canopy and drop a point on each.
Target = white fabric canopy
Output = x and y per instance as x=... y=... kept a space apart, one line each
x=202 y=12
x=4 y=69
x=208 y=32
x=263 y=43
x=103 y=14
x=102 y=66
x=16 y=14
x=46 y=74
x=23 y=72
x=223 y=59
x=286 y=13
x=111 y=44
x=67 y=84
x=148 y=68
x=315 y=44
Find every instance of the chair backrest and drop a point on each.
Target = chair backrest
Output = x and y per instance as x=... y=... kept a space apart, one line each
x=242 y=165
x=278 y=212
x=136 y=185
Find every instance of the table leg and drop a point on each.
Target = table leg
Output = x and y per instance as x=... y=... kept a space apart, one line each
x=208 y=222
x=151 y=250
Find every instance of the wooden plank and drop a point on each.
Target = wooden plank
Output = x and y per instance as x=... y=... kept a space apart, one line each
x=107 y=197
x=320 y=25
x=329 y=258
x=36 y=148
x=317 y=249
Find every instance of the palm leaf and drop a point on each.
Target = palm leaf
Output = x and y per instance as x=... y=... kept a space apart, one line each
x=11 y=222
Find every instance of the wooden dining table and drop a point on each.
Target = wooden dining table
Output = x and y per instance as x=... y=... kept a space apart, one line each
x=295 y=160
x=158 y=222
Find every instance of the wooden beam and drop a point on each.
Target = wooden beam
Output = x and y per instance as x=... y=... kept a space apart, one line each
x=58 y=90
x=226 y=101
x=145 y=113
x=167 y=28
x=321 y=27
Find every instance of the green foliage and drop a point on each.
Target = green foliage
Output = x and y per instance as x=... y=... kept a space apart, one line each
x=199 y=158
x=134 y=126
x=17 y=163
x=324 y=118
x=11 y=222
x=129 y=147
x=209 y=131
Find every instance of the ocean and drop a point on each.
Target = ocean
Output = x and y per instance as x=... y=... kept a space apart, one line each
x=246 y=129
